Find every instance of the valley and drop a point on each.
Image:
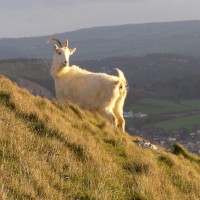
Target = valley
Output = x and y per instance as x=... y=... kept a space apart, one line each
x=167 y=122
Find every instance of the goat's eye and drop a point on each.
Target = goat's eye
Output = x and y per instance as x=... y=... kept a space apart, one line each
x=59 y=53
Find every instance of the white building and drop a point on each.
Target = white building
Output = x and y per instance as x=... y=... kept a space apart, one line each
x=138 y=115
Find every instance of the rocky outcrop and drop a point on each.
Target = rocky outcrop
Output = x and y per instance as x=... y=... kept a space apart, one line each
x=33 y=88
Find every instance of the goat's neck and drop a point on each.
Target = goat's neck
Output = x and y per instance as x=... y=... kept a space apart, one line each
x=58 y=71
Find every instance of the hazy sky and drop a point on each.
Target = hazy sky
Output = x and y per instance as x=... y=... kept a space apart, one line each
x=19 y=18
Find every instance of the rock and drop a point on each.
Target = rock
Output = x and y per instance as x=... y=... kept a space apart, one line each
x=34 y=88
x=145 y=144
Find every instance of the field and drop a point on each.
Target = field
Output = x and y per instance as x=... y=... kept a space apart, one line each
x=194 y=103
x=183 y=114
x=182 y=122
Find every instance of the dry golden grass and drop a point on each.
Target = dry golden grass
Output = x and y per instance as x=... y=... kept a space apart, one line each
x=50 y=151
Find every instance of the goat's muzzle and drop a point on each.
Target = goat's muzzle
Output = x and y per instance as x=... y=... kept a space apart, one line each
x=65 y=63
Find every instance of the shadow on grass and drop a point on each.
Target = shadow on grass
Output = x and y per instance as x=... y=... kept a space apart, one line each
x=137 y=167
x=178 y=149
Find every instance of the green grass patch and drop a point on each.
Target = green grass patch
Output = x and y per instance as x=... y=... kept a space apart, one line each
x=192 y=103
x=155 y=106
x=182 y=122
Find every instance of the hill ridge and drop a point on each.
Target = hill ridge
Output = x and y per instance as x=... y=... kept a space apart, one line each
x=180 y=37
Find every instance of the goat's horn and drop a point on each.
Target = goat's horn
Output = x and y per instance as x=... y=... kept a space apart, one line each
x=66 y=43
x=55 y=39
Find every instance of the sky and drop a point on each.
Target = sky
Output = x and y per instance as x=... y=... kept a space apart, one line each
x=27 y=18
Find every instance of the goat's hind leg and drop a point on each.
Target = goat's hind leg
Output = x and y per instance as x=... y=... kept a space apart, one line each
x=118 y=111
x=121 y=121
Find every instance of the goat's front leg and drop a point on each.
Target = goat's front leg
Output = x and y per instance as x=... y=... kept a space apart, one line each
x=108 y=114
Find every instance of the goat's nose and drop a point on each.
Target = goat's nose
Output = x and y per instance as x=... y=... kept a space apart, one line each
x=65 y=62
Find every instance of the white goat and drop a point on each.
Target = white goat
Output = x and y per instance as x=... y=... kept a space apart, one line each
x=93 y=91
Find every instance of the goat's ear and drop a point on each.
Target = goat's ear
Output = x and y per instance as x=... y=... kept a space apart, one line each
x=72 y=51
x=55 y=48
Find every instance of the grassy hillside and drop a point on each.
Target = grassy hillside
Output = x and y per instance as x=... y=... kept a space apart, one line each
x=53 y=151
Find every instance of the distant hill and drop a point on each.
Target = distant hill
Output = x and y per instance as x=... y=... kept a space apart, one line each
x=53 y=151
x=167 y=76
x=125 y=40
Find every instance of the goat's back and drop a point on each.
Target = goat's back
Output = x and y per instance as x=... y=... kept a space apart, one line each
x=89 y=90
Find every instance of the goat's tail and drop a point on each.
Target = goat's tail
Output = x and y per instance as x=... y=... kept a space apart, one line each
x=123 y=82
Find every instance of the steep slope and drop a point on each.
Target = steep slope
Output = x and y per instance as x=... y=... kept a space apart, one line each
x=53 y=151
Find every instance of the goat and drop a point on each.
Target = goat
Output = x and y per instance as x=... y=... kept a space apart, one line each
x=97 y=92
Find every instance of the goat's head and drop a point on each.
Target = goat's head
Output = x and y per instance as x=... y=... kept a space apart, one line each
x=61 y=53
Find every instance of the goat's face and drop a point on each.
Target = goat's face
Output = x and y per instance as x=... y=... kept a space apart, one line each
x=62 y=54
